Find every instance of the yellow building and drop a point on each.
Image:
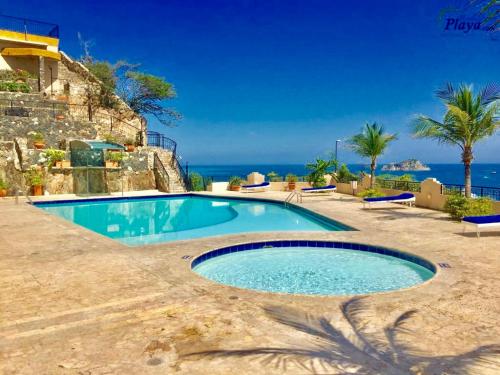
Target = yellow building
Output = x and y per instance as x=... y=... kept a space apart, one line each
x=32 y=46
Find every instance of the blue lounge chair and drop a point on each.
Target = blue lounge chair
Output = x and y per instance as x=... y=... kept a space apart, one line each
x=256 y=187
x=323 y=189
x=480 y=222
x=401 y=198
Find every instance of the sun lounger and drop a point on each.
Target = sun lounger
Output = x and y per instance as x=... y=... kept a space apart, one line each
x=480 y=222
x=323 y=189
x=254 y=188
x=401 y=198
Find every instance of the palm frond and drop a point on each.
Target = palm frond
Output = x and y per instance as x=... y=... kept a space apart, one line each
x=489 y=94
x=446 y=93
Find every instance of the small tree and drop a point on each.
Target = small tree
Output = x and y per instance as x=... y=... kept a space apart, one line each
x=371 y=143
x=146 y=93
x=318 y=170
x=468 y=119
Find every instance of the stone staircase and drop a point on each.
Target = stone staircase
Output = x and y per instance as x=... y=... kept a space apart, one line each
x=175 y=182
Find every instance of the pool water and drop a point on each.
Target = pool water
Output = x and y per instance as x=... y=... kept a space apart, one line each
x=312 y=270
x=138 y=221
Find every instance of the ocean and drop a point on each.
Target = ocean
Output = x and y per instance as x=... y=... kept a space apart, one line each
x=487 y=175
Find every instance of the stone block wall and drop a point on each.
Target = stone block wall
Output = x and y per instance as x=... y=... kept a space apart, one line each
x=136 y=172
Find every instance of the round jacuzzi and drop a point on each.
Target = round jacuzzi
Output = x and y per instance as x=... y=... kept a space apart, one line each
x=313 y=267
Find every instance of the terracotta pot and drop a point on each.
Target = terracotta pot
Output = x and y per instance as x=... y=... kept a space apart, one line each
x=66 y=164
x=111 y=164
x=291 y=186
x=39 y=145
x=60 y=117
x=235 y=187
x=58 y=164
x=37 y=190
x=130 y=148
x=62 y=98
x=3 y=193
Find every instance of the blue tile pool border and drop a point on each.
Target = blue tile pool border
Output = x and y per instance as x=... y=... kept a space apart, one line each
x=309 y=243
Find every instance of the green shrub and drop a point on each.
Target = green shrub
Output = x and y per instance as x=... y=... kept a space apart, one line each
x=235 y=181
x=110 y=138
x=114 y=156
x=459 y=206
x=290 y=177
x=196 y=181
x=34 y=177
x=371 y=193
x=318 y=170
x=15 y=86
x=53 y=155
x=344 y=175
x=3 y=184
x=129 y=141
x=36 y=136
x=274 y=177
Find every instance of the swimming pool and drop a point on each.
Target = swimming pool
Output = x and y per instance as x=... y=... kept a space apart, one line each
x=147 y=220
x=313 y=267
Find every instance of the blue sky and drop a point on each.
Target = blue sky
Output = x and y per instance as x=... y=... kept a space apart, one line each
x=279 y=81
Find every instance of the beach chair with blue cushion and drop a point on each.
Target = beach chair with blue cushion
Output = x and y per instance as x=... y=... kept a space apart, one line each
x=481 y=222
x=264 y=186
x=405 y=198
x=320 y=190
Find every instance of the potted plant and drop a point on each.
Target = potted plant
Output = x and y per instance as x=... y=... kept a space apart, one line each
x=38 y=140
x=129 y=144
x=113 y=159
x=56 y=158
x=292 y=180
x=235 y=183
x=34 y=178
x=3 y=188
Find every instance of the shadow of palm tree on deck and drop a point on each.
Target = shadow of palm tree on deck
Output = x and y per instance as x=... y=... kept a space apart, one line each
x=360 y=351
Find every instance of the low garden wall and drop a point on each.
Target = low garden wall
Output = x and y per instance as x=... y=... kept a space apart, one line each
x=429 y=196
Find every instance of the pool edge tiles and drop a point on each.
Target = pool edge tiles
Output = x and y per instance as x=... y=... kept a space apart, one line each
x=420 y=270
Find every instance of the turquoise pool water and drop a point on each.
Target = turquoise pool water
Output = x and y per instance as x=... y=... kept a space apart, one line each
x=312 y=270
x=137 y=221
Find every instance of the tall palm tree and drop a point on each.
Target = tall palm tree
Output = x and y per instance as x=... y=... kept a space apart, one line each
x=371 y=143
x=468 y=119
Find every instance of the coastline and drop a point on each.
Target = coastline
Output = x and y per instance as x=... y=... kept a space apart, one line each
x=446 y=173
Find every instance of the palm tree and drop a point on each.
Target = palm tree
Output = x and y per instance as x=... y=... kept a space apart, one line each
x=468 y=119
x=371 y=143
x=318 y=171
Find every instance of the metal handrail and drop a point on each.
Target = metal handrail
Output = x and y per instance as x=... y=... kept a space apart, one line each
x=481 y=191
x=176 y=164
x=156 y=139
x=399 y=185
x=29 y=26
x=293 y=194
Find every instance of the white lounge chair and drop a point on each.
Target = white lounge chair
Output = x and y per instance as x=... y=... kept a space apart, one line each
x=401 y=198
x=481 y=222
x=256 y=187
x=323 y=189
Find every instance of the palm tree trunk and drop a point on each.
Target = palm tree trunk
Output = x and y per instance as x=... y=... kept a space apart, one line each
x=372 y=174
x=467 y=159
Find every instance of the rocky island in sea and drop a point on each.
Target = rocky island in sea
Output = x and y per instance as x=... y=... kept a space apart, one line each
x=406 y=165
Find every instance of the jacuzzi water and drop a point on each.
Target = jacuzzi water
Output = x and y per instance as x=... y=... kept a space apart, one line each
x=312 y=270
x=146 y=220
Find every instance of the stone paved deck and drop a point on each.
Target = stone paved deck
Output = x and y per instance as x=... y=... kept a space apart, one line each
x=75 y=302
